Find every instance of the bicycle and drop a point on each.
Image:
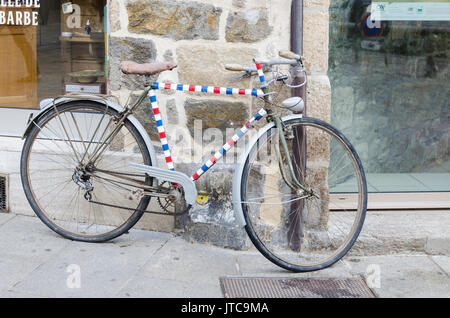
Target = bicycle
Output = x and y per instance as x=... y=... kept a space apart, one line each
x=89 y=170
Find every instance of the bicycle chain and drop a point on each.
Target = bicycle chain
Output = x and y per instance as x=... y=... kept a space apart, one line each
x=144 y=211
x=88 y=198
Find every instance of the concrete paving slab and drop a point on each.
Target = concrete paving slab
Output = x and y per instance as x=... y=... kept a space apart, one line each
x=102 y=269
x=190 y=263
x=5 y=217
x=13 y=294
x=403 y=232
x=257 y=265
x=443 y=262
x=166 y=288
x=35 y=262
x=438 y=244
x=402 y=276
x=14 y=269
x=141 y=238
x=29 y=238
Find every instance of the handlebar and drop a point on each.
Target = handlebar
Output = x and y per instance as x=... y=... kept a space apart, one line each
x=234 y=67
x=240 y=68
x=288 y=57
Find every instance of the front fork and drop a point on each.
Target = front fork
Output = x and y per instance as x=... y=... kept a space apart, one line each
x=283 y=142
x=281 y=132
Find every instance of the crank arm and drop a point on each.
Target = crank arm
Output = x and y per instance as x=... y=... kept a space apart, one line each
x=156 y=195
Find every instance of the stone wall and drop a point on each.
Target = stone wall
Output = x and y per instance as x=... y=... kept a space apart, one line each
x=202 y=36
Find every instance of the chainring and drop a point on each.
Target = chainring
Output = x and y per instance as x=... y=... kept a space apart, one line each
x=175 y=204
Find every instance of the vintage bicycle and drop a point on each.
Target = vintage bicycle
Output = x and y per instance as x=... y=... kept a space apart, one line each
x=89 y=169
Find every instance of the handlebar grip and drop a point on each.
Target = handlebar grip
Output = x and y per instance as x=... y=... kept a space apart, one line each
x=289 y=55
x=234 y=67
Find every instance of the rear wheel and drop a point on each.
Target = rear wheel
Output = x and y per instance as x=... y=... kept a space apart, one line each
x=63 y=172
x=296 y=229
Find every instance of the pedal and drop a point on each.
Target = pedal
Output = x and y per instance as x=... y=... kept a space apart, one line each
x=202 y=198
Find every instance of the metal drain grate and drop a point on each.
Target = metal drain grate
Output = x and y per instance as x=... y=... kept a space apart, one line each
x=262 y=287
x=3 y=193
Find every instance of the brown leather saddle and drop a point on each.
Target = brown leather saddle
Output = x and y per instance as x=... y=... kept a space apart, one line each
x=129 y=67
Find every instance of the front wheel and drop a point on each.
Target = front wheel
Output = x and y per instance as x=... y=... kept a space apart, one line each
x=304 y=230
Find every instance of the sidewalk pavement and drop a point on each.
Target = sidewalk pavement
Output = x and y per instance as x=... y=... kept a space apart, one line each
x=35 y=262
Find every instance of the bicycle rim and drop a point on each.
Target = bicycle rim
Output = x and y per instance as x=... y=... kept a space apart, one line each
x=57 y=186
x=296 y=230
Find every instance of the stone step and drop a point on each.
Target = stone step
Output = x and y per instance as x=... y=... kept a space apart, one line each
x=404 y=232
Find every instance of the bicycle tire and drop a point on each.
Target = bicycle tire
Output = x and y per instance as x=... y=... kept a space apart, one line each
x=250 y=227
x=123 y=228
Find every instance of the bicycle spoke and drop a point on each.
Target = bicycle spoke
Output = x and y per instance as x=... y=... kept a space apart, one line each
x=296 y=227
x=61 y=186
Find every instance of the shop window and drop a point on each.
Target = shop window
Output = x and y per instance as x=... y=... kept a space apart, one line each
x=63 y=53
x=390 y=90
